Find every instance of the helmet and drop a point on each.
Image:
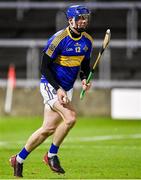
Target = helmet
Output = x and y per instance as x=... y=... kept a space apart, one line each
x=76 y=11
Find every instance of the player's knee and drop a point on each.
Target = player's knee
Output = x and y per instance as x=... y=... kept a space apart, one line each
x=47 y=131
x=71 y=119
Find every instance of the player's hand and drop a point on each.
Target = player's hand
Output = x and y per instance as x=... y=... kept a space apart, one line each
x=62 y=96
x=85 y=86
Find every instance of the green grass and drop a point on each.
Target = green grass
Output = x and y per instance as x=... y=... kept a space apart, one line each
x=96 y=148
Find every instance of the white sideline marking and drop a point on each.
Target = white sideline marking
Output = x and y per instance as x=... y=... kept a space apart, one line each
x=81 y=139
x=108 y=137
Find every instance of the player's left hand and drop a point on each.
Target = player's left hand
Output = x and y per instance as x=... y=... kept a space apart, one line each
x=85 y=86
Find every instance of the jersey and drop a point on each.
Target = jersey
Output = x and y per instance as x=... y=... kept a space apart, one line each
x=67 y=53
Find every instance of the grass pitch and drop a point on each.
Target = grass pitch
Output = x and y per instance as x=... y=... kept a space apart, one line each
x=96 y=148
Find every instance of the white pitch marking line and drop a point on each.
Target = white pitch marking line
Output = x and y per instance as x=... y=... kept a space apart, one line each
x=82 y=139
x=108 y=137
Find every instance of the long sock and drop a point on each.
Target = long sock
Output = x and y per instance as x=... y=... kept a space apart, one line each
x=22 y=155
x=53 y=150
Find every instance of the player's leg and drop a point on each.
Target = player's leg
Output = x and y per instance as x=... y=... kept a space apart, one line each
x=51 y=121
x=69 y=116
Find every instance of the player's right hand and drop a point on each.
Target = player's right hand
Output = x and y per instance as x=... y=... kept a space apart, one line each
x=85 y=86
x=62 y=96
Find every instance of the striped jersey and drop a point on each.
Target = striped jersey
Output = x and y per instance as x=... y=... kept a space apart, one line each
x=67 y=53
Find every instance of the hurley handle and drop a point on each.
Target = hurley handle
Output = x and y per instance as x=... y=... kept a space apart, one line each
x=104 y=46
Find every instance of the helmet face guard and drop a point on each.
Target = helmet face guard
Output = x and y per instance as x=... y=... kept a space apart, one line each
x=76 y=12
x=84 y=16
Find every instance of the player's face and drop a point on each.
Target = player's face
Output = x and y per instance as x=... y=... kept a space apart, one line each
x=82 y=21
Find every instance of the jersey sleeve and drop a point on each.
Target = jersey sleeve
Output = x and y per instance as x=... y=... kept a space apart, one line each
x=46 y=71
x=90 y=42
x=54 y=44
x=89 y=52
x=53 y=48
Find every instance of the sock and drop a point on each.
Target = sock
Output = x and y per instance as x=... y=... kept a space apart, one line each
x=22 y=155
x=53 y=150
